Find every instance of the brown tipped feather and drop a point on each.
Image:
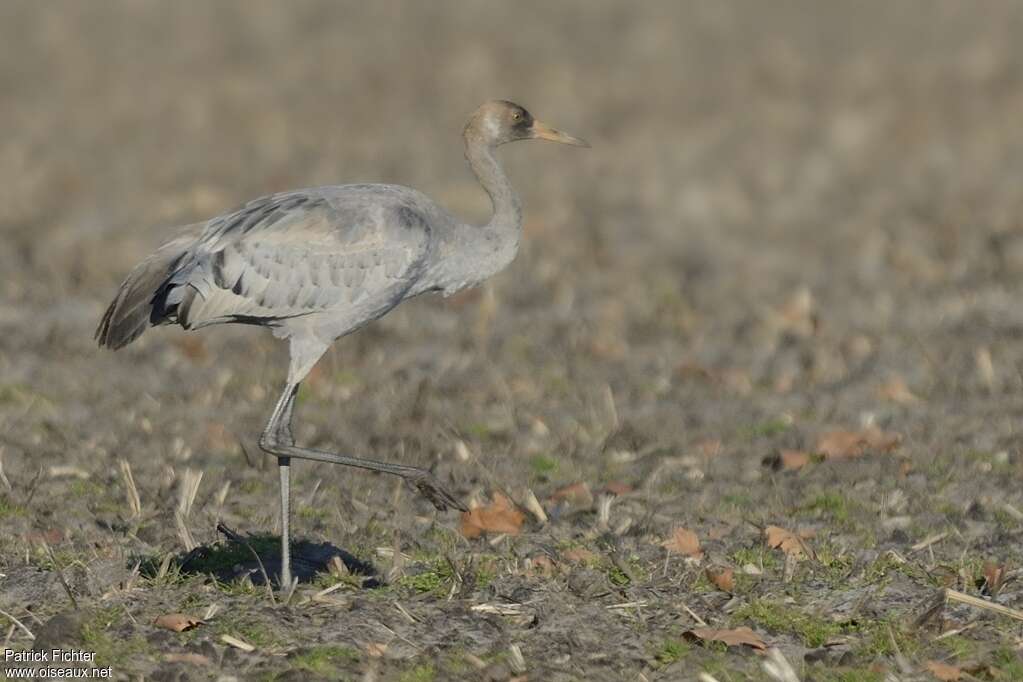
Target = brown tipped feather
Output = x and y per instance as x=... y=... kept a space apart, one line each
x=130 y=313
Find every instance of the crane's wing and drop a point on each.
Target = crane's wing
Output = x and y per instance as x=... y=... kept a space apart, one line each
x=296 y=254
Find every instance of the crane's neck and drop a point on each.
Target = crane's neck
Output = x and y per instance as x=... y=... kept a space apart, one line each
x=506 y=220
x=470 y=253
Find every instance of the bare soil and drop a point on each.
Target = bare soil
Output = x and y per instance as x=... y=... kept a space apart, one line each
x=796 y=218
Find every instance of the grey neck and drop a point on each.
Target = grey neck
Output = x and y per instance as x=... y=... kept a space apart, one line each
x=475 y=253
x=507 y=217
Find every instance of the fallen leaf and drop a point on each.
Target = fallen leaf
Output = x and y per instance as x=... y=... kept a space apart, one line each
x=192 y=347
x=785 y=540
x=218 y=437
x=576 y=495
x=944 y=671
x=709 y=447
x=618 y=488
x=787 y=460
x=500 y=516
x=177 y=622
x=896 y=390
x=847 y=444
x=684 y=541
x=723 y=577
x=578 y=555
x=51 y=536
x=541 y=564
x=994 y=576
x=793 y=459
x=376 y=649
x=742 y=636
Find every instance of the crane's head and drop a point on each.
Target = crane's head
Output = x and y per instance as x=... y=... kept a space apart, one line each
x=497 y=122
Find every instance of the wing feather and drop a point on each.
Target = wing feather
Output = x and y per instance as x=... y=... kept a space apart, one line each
x=297 y=254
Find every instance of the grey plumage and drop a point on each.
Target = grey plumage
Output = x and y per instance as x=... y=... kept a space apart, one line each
x=316 y=264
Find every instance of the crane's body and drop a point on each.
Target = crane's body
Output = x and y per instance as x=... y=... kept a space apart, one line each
x=316 y=264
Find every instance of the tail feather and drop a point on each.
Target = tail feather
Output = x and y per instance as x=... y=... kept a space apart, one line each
x=131 y=311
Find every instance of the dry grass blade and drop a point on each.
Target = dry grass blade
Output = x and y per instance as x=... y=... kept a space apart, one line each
x=778 y=668
x=516 y=661
x=237 y=643
x=187 y=490
x=627 y=605
x=499 y=609
x=955 y=595
x=3 y=476
x=928 y=541
x=534 y=507
x=18 y=623
x=132 y=492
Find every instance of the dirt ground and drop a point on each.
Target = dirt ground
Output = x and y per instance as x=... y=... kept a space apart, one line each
x=782 y=289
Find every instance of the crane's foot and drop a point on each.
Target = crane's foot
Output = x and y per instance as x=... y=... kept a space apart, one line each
x=430 y=488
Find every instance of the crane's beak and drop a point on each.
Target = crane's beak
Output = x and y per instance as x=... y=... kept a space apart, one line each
x=542 y=131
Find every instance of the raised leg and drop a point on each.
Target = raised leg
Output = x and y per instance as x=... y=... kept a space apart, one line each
x=277 y=440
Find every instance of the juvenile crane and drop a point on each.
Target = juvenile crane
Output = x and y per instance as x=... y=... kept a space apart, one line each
x=314 y=265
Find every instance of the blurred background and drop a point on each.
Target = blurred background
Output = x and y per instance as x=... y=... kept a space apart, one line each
x=862 y=164
x=794 y=216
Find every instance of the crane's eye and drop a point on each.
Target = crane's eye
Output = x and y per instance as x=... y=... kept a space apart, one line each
x=516 y=116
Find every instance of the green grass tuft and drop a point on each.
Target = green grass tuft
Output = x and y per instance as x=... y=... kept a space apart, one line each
x=324 y=660
x=812 y=629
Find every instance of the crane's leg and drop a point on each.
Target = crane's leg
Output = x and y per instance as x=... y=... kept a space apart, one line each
x=277 y=440
x=279 y=429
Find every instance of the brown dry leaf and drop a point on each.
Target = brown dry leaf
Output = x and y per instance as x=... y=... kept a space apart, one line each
x=177 y=622
x=684 y=541
x=376 y=649
x=723 y=577
x=541 y=564
x=618 y=488
x=578 y=555
x=994 y=576
x=896 y=390
x=787 y=460
x=709 y=447
x=845 y=444
x=944 y=671
x=192 y=347
x=738 y=637
x=501 y=516
x=50 y=536
x=576 y=495
x=218 y=437
x=791 y=460
x=785 y=540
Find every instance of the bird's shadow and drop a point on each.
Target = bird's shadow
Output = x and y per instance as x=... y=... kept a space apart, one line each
x=258 y=557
